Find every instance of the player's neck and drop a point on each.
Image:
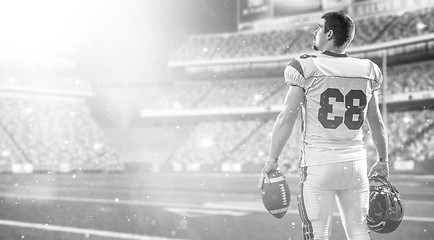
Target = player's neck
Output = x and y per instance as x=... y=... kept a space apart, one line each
x=330 y=47
x=335 y=50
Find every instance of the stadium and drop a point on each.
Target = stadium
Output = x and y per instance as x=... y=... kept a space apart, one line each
x=152 y=119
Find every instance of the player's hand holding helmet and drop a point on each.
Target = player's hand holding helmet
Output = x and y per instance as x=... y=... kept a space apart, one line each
x=385 y=207
x=270 y=164
x=379 y=169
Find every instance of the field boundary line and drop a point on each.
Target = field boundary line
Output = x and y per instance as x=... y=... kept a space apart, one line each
x=84 y=231
x=234 y=206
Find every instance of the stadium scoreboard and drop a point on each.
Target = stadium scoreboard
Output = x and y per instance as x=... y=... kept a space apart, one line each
x=253 y=10
x=257 y=12
x=260 y=14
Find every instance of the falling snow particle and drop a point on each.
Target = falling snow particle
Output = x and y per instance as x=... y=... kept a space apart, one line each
x=116 y=199
x=183 y=224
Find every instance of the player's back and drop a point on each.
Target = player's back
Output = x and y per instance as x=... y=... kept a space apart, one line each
x=337 y=89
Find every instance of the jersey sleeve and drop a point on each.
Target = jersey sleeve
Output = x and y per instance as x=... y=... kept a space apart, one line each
x=294 y=74
x=377 y=77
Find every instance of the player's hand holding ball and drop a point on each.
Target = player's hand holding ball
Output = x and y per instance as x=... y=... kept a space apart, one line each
x=379 y=169
x=275 y=192
x=270 y=164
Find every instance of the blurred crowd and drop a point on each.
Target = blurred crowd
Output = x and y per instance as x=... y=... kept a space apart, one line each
x=235 y=142
x=52 y=133
x=411 y=135
x=373 y=29
x=413 y=77
x=246 y=142
x=410 y=77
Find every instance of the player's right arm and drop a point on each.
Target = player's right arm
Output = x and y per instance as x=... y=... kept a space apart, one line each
x=379 y=137
x=295 y=78
x=285 y=120
x=282 y=129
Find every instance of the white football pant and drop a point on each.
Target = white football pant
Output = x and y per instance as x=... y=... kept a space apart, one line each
x=320 y=185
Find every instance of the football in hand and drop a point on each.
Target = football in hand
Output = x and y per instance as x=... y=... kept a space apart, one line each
x=275 y=194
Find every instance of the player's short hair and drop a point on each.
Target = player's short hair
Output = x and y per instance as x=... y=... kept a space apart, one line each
x=342 y=25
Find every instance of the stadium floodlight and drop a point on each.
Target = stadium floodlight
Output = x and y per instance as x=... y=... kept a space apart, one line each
x=206 y=143
x=420 y=26
x=407 y=119
x=6 y=153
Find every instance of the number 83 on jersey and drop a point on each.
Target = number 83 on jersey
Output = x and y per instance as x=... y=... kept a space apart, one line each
x=354 y=102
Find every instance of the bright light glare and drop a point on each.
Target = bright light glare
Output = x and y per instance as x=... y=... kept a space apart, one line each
x=206 y=143
x=114 y=37
x=407 y=119
x=32 y=27
x=421 y=26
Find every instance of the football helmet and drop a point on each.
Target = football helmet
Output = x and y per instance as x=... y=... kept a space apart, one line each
x=385 y=207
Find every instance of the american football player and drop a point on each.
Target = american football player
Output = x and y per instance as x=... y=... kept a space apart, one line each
x=335 y=95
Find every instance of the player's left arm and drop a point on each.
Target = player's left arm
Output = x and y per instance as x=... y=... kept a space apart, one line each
x=282 y=129
x=379 y=137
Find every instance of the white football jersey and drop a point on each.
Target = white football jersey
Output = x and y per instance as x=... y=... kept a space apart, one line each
x=337 y=89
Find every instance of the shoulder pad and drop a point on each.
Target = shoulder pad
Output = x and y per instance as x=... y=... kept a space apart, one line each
x=297 y=66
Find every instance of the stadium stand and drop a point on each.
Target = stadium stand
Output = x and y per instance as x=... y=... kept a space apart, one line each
x=403 y=78
x=418 y=150
x=212 y=142
x=53 y=133
x=409 y=24
x=247 y=142
x=245 y=92
x=231 y=143
x=254 y=149
x=175 y=96
x=410 y=129
x=411 y=77
x=370 y=28
x=7 y=155
x=374 y=29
